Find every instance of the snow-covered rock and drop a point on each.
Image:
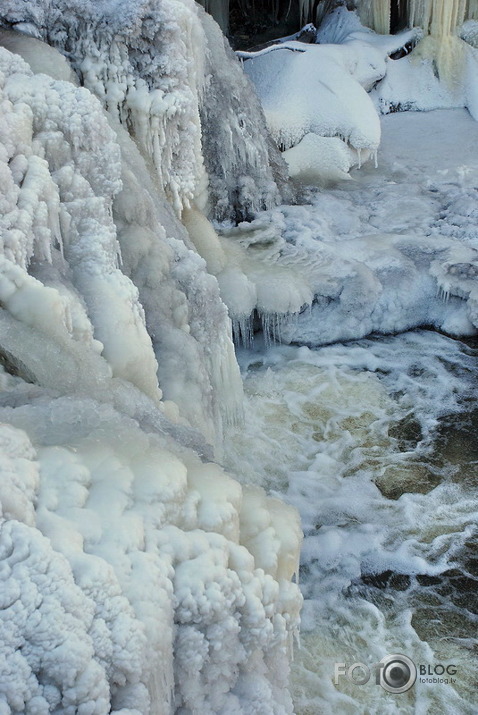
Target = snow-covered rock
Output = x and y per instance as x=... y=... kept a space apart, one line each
x=310 y=88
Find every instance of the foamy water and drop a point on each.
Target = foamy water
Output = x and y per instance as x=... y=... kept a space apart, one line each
x=363 y=438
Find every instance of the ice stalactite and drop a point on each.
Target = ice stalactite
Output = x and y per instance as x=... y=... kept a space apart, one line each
x=440 y=20
x=472 y=13
x=376 y=14
x=306 y=10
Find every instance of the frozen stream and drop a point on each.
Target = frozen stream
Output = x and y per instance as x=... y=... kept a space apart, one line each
x=374 y=441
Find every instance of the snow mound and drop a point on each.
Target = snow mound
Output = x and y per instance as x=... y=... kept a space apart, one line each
x=321 y=90
x=309 y=88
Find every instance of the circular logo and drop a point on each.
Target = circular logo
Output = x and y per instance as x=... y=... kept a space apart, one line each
x=398 y=673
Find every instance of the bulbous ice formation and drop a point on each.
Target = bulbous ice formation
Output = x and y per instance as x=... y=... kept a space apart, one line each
x=121 y=541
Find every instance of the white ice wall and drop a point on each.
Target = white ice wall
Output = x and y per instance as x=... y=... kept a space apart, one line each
x=119 y=543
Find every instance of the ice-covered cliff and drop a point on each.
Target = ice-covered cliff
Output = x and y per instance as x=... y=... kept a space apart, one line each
x=137 y=576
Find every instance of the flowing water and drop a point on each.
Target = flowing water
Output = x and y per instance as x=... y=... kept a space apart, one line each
x=374 y=441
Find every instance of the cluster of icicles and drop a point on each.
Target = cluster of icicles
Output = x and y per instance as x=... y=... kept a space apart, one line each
x=438 y=18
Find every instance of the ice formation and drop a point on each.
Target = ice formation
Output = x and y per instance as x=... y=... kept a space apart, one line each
x=354 y=261
x=313 y=88
x=376 y=14
x=150 y=64
x=138 y=577
x=245 y=169
x=122 y=541
x=441 y=70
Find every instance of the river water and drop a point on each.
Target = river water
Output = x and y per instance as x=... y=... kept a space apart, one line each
x=374 y=441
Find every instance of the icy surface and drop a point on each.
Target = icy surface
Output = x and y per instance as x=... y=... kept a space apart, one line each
x=384 y=253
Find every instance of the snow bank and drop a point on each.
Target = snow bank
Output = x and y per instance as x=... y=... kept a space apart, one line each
x=316 y=292
x=308 y=88
x=315 y=91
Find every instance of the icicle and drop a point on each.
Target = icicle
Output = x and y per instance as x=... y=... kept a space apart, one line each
x=306 y=9
x=376 y=14
x=219 y=9
x=440 y=20
x=242 y=331
x=472 y=11
x=443 y=292
x=272 y=324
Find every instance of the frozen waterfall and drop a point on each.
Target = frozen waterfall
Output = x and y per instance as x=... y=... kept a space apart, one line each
x=122 y=542
x=147 y=217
